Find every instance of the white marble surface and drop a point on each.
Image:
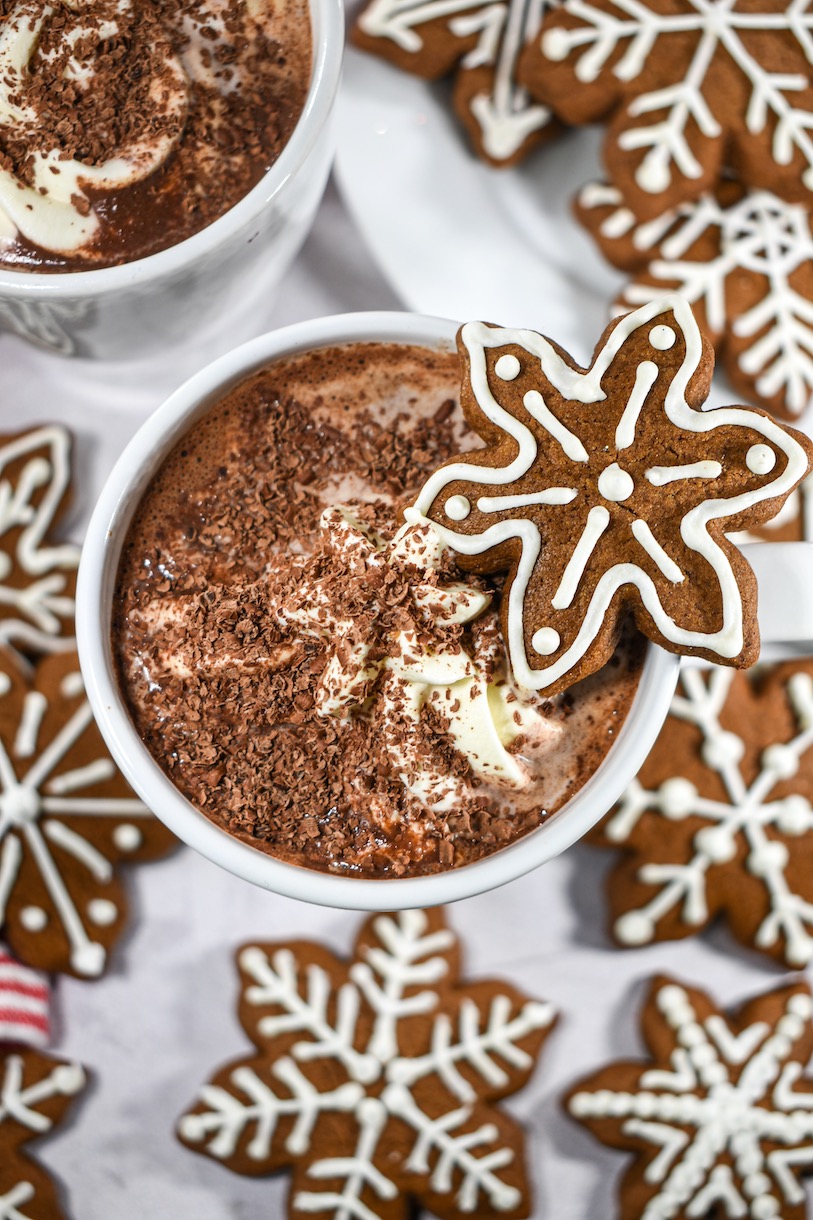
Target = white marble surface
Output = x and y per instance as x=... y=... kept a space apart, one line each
x=164 y=1017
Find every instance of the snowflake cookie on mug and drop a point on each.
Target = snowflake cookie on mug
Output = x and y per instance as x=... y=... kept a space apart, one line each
x=608 y=491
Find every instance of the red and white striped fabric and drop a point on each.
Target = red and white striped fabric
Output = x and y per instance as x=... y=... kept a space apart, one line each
x=24 y=1004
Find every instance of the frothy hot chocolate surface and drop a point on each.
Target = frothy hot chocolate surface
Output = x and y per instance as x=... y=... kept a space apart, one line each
x=314 y=674
x=128 y=125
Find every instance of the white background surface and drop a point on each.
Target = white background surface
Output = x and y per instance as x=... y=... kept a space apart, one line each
x=163 y=1019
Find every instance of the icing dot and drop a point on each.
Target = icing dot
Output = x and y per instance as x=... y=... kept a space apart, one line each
x=127 y=837
x=652 y=176
x=545 y=641
x=801 y=1005
x=33 y=919
x=794 y=815
x=556 y=45
x=88 y=959
x=507 y=367
x=781 y=759
x=634 y=928
x=191 y=1127
x=671 y=998
x=102 y=912
x=662 y=338
x=760 y=459
x=677 y=797
x=457 y=508
x=764 y=1208
x=770 y=857
x=722 y=749
x=71 y=686
x=38 y=471
x=615 y=484
x=717 y=843
x=68 y=1078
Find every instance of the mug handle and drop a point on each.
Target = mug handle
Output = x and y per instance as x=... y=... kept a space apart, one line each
x=784 y=572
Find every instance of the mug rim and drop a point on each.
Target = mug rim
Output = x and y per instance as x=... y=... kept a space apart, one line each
x=327 y=19
x=111 y=518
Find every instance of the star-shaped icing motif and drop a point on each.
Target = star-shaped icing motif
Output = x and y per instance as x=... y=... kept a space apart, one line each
x=36 y=1092
x=720 y=1117
x=608 y=490
x=719 y=819
x=690 y=89
x=37 y=578
x=376 y=1080
x=480 y=41
x=744 y=262
x=67 y=819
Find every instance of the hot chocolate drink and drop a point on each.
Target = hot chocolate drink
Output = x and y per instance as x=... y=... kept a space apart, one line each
x=313 y=671
x=128 y=125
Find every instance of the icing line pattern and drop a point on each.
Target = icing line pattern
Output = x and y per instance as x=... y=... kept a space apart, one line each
x=762 y=236
x=586 y=387
x=395 y=980
x=669 y=115
x=750 y=816
x=725 y=1121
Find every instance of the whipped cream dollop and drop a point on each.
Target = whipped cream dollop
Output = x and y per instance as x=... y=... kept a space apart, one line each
x=395 y=668
x=45 y=200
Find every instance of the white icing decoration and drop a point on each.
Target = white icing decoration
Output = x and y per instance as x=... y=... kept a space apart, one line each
x=761 y=237
x=127 y=837
x=20 y=1102
x=33 y=919
x=662 y=338
x=505 y=113
x=760 y=459
x=655 y=551
x=102 y=912
x=398 y=976
x=457 y=508
x=615 y=484
x=659 y=476
x=745 y=817
x=38 y=803
x=46 y=212
x=715 y=1120
x=586 y=387
x=545 y=641
x=645 y=377
x=638 y=38
x=507 y=367
x=33 y=611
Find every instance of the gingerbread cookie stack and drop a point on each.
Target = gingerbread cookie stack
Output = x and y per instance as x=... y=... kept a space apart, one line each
x=709 y=166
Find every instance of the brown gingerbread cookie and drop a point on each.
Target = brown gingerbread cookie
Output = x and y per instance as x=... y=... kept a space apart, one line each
x=719 y=1117
x=690 y=91
x=37 y=576
x=608 y=491
x=479 y=42
x=743 y=260
x=35 y=1094
x=720 y=817
x=67 y=819
x=375 y=1079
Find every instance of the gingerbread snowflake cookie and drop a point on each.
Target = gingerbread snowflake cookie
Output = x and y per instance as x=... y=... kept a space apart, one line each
x=720 y=817
x=375 y=1080
x=744 y=261
x=36 y=1092
x=608 y=490
x=719 y=1117
x=67 y=819
x=480 y=42
x=37 y=577
x=690 y=89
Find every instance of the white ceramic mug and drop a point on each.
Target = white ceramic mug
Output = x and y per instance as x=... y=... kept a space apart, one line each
x=183 y=295
x=782 y=619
